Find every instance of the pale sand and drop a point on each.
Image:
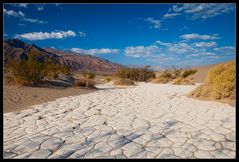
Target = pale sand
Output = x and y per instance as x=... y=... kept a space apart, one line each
x=20 y=98
x=143 y=121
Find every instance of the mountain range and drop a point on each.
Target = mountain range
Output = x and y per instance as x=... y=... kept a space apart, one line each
x=17 y=49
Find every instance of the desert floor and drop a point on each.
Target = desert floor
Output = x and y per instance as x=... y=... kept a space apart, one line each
x=144 y=121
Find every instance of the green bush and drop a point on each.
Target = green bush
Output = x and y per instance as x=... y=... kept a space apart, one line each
x=31 y=71
x=135 y=74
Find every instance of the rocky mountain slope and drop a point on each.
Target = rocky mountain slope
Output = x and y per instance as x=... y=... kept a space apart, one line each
x=17 y=49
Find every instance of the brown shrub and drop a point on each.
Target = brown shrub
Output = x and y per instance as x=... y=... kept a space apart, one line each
x=222 y=82
x=182 y=81
x=108 y=78
x=85 y=83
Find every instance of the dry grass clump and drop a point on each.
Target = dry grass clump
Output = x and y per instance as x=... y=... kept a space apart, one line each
x=182 y=81
x=108 y=78
x=222 y=82
x=123 y=82
x=88 y=75
x=89 y=83
x=176 y=75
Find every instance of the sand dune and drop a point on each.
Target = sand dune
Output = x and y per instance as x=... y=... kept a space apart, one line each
x=19 y=98
x=143 y=121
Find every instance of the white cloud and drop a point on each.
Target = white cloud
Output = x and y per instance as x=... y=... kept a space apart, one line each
x=21 y=24
x=198 y=36
x=13 y=13
x=142 y=51
x=181 y=48
x=205 y=44
x=155 y=23
x=24 y=5
x=45 y=35
x=170 y=15
x=22 y=16
x=40 y=8
x=82 y=34
x=176 y=8
x=203 y=10
x=163 y=43
x=226 y=50
x=95 y=51
x=34 y=21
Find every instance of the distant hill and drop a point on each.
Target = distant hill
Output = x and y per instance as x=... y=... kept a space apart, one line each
x=17 y=49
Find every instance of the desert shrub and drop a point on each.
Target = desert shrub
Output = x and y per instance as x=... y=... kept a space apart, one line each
x=182 y=81
x=135 y=74
x=31 y=71
x=88 y=75
x=85 y=82
x=176 y=72
x=223 y=79
x=162 y=80
x=222 y=82
x=107 y=78
x=123 y=82
x=188 y=72
x=203 y=90
x=166 y=74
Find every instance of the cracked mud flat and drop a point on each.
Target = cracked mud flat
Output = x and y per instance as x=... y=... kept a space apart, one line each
x=145 y=121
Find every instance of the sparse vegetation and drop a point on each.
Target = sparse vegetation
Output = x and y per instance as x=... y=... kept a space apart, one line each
x=32 y=71
x=88 y=75
x=108 y=78
x=177 y=76
x=222 y=82
x=188 y=72
x=182 y=81
x=135 y=74
x=85 y=83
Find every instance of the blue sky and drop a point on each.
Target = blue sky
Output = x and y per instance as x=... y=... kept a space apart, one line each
x=131 y=34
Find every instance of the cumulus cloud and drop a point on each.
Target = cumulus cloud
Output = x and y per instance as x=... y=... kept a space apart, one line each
x=163 y=43
x=95 y=51
x=24 y=5
x=142 y=51
x=226 y=50
x=45 y=35
x=40 y=8
x=82 y=34
x=170 y=15
x=205 y=44
x=181 y=48
x=155 y=23
x=203 y=10
x=22 y=16
x=13 y=13
x=198 y=36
